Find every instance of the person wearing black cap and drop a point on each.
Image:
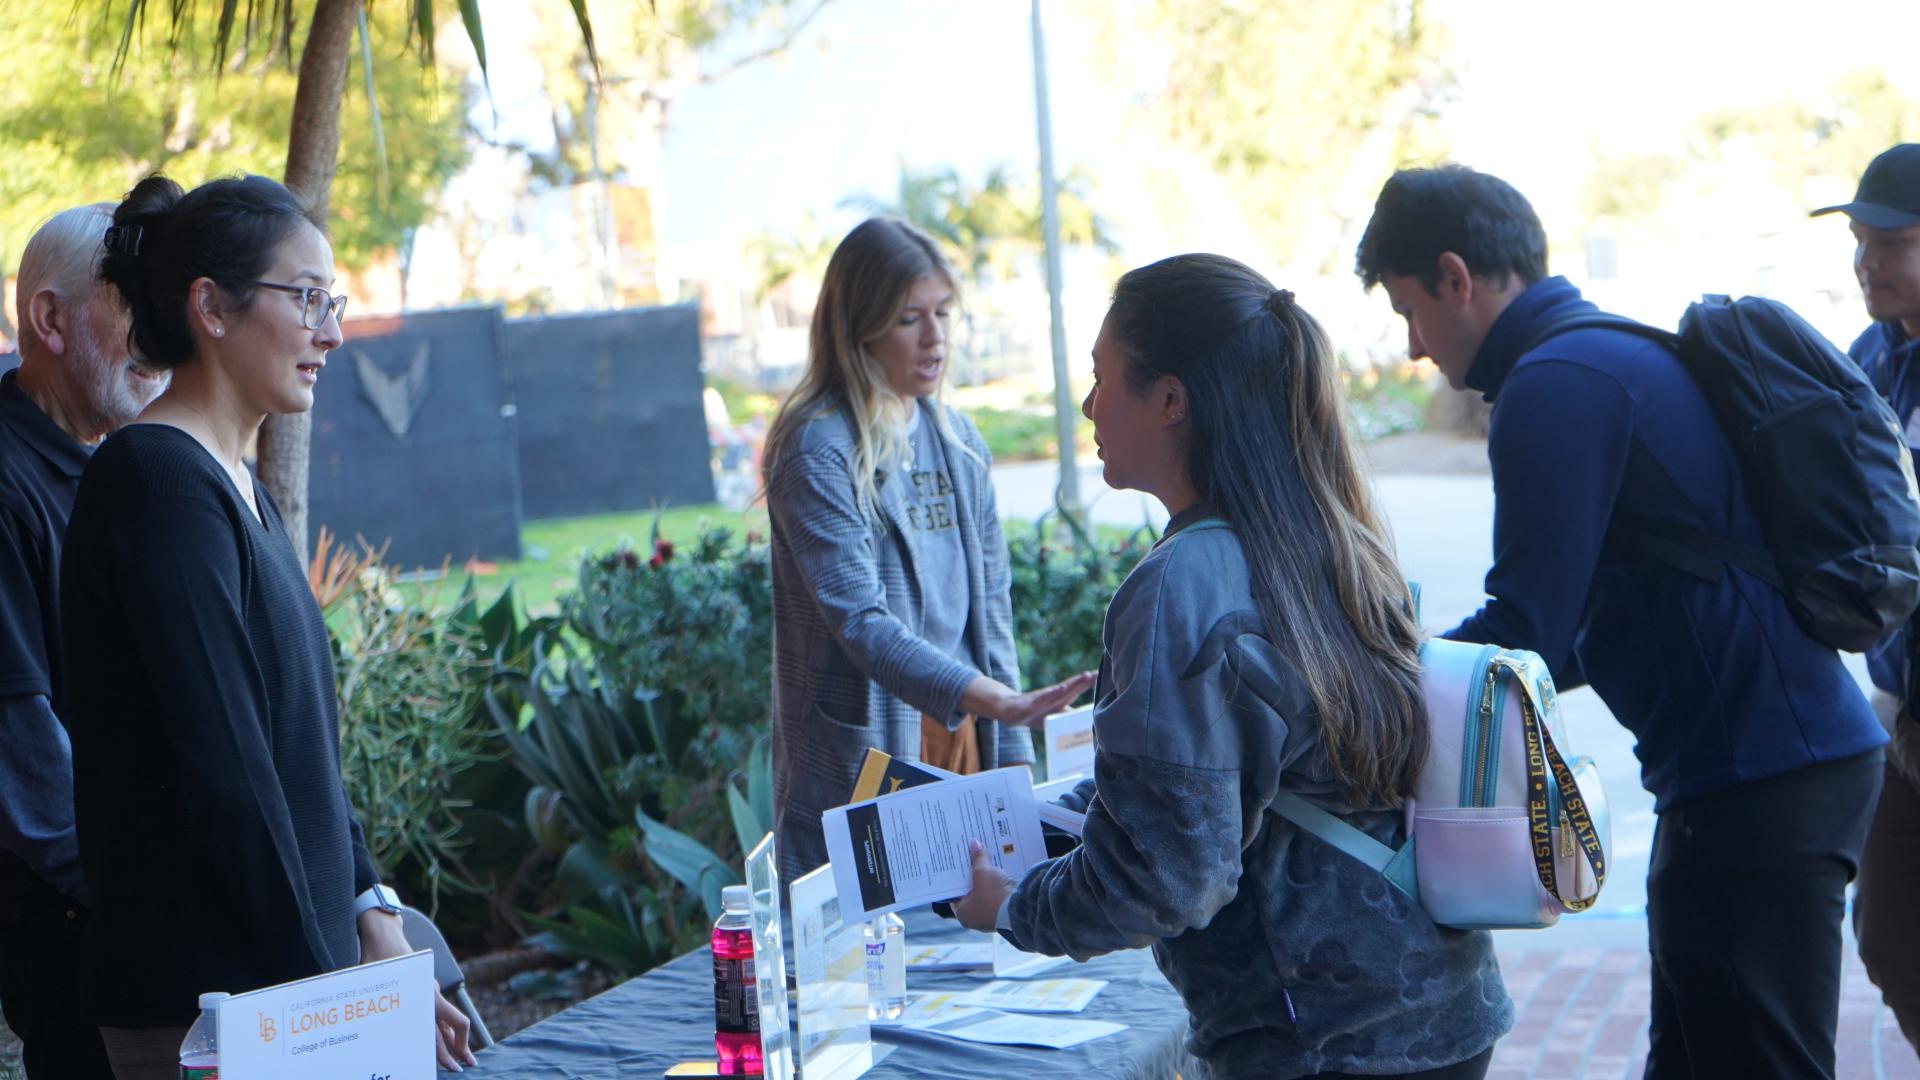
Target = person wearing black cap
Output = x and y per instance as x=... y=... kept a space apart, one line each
x=1886 y=259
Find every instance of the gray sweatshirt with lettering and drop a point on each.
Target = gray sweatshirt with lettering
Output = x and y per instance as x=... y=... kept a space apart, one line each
x=1292 y=958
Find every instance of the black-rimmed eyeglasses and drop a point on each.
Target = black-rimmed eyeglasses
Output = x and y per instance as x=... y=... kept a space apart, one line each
x=319 y=303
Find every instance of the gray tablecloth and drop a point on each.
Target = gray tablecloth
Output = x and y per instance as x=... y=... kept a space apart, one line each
x=639 y=1028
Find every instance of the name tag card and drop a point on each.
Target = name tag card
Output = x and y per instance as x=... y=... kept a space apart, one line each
x=1069 y=738
x=830 y=967
x=372 y=1021
x=769 y=961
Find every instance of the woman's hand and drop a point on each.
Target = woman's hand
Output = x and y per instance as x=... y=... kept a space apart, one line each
x=980 y=908
x=381 y=938
x=995 y=700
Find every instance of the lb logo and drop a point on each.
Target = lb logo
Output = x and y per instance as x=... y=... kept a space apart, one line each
x=268 y=1032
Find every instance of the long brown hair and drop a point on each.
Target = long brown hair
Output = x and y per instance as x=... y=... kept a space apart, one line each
x=1268 y=452
x=866 y=287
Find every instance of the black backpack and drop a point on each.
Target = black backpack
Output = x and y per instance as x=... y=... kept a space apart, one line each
x=1824 y=461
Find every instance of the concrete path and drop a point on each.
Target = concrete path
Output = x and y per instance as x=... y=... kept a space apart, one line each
x=1581 y=986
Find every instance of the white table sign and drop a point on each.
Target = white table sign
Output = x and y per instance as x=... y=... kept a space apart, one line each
x=769 y=962
x=1069 y=737
x=830 y=974
x=374 y=1021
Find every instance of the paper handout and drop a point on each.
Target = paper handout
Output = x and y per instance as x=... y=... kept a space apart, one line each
x=966 y=956
x=1040 y=995
x=910 y=848
x=942 y=1014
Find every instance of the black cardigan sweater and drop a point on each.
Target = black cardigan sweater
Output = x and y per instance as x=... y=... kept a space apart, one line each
x=214 y=831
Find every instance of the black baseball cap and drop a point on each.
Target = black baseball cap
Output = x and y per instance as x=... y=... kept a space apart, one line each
x=1889 y=195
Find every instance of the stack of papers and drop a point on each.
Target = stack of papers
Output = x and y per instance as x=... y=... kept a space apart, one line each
x=1039 y=995
x=944 y=1014
x=971 y=956
x=909 y=848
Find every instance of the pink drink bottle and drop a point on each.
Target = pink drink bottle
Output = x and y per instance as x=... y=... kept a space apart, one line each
x=736 y=1001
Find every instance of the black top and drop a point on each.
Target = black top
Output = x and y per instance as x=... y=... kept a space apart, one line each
x=214 y=830
x=40 y=468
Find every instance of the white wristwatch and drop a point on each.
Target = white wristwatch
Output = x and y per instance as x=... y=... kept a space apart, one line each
x=379 y=897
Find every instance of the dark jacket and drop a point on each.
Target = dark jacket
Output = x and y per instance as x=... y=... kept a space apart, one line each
x=1716 y=680
x=1888 y=357
x=1291 y=957
x=214 y=829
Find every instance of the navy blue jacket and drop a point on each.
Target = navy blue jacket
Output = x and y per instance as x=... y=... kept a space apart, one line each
x=1888 y=356
x=1716 y=680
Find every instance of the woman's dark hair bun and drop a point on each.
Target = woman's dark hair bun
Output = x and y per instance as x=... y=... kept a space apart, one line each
x=164 y=238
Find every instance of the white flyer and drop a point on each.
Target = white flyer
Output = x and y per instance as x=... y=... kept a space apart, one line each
x=1069 y=738
x=1038 y=995
x=942 y=1014
x=1010 y=961
x=909 y=848
x=966 y=956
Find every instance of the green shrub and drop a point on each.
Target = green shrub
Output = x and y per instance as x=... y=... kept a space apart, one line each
x=1016 y=435
x=409 y=681
x=1383 y=401
x=694 y=624
x=638 y=721
x=1060 y=596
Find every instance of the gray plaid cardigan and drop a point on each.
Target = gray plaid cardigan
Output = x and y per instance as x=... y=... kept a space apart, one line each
x=850 y=670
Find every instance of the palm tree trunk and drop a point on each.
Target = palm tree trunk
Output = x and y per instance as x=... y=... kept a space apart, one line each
x=313 y=149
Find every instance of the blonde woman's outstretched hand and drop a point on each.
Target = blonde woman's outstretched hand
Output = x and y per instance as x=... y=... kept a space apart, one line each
x=995 y=700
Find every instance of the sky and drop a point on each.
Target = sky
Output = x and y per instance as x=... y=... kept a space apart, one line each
x=1542 y=87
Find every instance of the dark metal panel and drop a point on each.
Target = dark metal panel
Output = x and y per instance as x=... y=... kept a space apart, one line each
x=414 y=438
x=610 y=411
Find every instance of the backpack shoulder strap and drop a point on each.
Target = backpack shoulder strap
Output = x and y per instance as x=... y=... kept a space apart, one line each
x=1599 y=320
x=1395 y=866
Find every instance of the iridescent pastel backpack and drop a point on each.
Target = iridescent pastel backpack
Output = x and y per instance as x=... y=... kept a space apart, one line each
x=1503 y=830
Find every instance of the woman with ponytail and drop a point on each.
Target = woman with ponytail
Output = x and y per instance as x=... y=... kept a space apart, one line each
x=214 y=830
x=1265 y=644
x=892 y=620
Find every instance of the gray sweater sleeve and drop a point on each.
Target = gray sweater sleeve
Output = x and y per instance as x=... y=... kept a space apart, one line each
x=1161 y=850
x=36 y=793
x=811 y=500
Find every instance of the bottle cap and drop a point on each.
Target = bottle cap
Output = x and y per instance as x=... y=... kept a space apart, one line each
x=212 y=999
x=735 y=897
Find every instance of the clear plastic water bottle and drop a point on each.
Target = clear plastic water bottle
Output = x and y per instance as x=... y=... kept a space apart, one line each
x=886 y=939
x=200 y=1052
x=736 y=998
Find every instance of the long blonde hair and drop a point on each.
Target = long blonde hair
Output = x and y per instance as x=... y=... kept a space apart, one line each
x=865 y=289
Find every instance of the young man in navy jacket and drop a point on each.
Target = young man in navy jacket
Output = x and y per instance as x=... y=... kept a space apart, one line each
x=1761 y=753
x=1886 y=258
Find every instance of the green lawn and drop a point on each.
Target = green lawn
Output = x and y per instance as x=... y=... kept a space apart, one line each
x=550 y=550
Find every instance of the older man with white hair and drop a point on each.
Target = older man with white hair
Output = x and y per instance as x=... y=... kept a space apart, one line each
x=75 y=384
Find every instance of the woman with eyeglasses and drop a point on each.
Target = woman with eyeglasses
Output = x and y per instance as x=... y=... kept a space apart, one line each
x=214 y=830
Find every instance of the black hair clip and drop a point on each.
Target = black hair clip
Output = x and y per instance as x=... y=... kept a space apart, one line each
x=1285 y=296
x=124 y=239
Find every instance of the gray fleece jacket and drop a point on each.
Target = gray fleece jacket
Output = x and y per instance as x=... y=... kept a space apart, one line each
x=1291 y=957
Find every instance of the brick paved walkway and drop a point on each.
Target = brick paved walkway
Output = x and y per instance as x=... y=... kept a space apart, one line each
x=1582 y=1015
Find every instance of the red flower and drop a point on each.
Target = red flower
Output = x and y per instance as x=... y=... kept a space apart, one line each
x=656 y=562
x=662 y=551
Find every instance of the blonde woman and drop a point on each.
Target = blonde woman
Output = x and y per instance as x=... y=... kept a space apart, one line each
x=892 y=623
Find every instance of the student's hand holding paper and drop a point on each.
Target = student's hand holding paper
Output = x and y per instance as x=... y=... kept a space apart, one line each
x=980 y=908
